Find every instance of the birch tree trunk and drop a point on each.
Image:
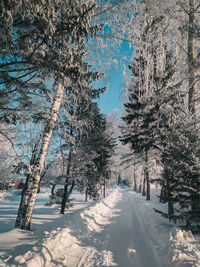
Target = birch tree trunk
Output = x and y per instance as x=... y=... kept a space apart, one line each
x=24 y=200
x=25 y=222
x=192 y=101
x=27 y=188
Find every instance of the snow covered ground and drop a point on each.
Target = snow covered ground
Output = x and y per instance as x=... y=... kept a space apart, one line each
x=121 y=230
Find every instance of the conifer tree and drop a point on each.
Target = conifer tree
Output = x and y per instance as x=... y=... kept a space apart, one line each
x=98 y=147
x=181 y=163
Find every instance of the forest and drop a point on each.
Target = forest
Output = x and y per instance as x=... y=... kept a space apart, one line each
x=54 y=55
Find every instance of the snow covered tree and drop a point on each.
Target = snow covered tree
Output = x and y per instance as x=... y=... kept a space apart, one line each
x=70 y=27
x=181 y=35
x=151 y=92
x=181 y=163
x=97 y=146
x=8 y=154
x=105 y=150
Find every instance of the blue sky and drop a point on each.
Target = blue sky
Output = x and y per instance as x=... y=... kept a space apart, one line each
x=110 y=100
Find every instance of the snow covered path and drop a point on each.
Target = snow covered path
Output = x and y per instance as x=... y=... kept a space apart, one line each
x=124 y=243
x=128 y=242
x=121 y=230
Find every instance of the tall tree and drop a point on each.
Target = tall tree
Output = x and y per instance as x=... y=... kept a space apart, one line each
x=151 y=92
x=71 y=25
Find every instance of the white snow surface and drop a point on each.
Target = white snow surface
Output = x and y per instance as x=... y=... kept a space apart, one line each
x=121 y=230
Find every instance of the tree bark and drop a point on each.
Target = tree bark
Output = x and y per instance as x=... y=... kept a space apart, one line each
x=162 y=195
x=25 y=222
x=192 y=100
x=24 y=201
x=27 y=187
x=86 y=195
x=104 y=187
x=66 y=193
x=144 y=186
x=140 y=187
x=147 y=176
x=170 y=208
x=135 y=182
x=53 y=190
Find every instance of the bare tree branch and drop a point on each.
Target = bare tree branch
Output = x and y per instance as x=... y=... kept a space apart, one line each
x=12 y=144
x=107 y=9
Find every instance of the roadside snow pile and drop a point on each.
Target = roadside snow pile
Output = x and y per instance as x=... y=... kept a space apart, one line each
x=60 y=245
x=100 y=214
x=186 y=248
x=63 y=247
x=182 y=248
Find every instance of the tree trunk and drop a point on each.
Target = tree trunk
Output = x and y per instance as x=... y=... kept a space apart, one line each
x=24 y=201
x=135 y=182
x=148 y=185
x=86 y=195
x=25 y=222
x=170 y=208
x=104 y=187
x=71 y=188
x=66 y=195
x=144 y=186
x=27 y=187
x=162 y=195
x=53 y=189
x=140 y=187
x=147 y=176
x=192 y=101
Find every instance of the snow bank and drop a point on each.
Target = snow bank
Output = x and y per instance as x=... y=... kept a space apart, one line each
x=186 y=248
x=173 y=246
x=62 y=247
x=99 y=215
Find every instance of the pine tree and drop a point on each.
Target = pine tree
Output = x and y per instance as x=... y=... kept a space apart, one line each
x=181 y=163
x=97 y=146
x=78 y=121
